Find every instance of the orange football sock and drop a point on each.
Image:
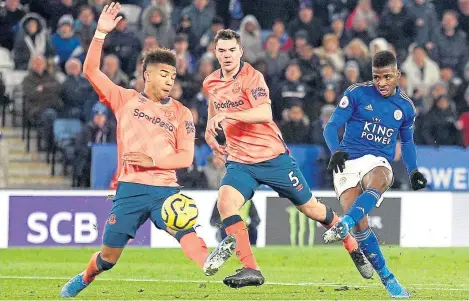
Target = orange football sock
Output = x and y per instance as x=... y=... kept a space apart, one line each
x=349 y=242
x=194 y=248
x=92 y=269
x=243 y=246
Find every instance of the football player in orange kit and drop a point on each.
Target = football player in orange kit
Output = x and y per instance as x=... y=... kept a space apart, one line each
x=239 y=104
x=155 y=136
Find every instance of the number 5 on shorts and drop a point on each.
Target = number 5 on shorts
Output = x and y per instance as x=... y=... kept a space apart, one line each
x=294 y=179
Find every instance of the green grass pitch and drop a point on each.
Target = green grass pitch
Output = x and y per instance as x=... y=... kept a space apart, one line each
x=324 y=273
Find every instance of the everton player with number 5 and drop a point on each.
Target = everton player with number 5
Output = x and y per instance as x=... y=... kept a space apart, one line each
x=239 y=104
x=374 y=113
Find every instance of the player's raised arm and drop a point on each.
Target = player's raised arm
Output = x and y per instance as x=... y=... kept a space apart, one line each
x=184 y=155
x=409 y=153
x=109 y=93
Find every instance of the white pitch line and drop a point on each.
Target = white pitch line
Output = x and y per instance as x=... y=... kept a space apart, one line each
x=418 y=286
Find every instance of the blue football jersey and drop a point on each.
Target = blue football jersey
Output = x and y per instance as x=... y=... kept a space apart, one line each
x=373 y=122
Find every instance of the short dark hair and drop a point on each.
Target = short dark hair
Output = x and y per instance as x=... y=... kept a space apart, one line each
x=384 y=59
x=159 y=56
x=227 y=34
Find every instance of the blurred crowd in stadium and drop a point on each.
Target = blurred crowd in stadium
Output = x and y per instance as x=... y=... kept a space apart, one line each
x=309 y=51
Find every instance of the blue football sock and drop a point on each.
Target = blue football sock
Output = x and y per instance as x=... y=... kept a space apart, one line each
x=362 y=206
x=369 y=244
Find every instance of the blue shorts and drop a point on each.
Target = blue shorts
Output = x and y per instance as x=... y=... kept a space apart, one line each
x=132 y=206
x=281 y=174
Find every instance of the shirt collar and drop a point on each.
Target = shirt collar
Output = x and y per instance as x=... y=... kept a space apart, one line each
x=163 y=102
x=241 y=65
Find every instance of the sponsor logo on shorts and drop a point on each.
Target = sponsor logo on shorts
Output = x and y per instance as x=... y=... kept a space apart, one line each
x=342 y=181
x=258 y=92
x=228 y=104
x=112 y=219
x=299 y=187
x=154 y=119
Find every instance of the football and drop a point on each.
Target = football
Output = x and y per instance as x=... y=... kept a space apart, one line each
x=179 y=212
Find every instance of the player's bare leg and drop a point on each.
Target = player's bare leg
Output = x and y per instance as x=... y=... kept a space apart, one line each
x=99 y=262
x=379 y=179
x=319 y=212
x=230 y=201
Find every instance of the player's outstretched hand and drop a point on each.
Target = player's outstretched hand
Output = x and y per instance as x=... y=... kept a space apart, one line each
x=417 y=180
x=337 y=161
x=107 y=20
x=214 y=124
x=139 y=159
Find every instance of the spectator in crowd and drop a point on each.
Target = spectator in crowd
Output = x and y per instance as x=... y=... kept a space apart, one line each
x=85 y=26
x=397 y=24
x=422 y=72
x=185 y=27
x=124 y=44
x=186 y=79
x=306 y=21
x=137 y=81
x=31 y=40
x=439 y=89
x=181 y=47
x=359 y=30
x=453 y=82
x=66 y=43
x=41 y=94
x=164 y=6
x=111 y=67
x=364 y=11
x=278 y=30
x=309 y=65
x=330 y=77
x=295 y=125
x=250 y=33
x=463 y=9
x=200 y=104
x=440 y=124
x=52 y=10
x=357 y=51
x=204 y=69
x=156 y=23
x=10 y=15
x=149 y=43
x=326 y=96
x=276 y=60
x=54 y=70
x=214 y=171
x=98 y=131
x=331 y=53
x=449 y=44
x=338 y=28
x=76 y=90
x=291 y=90
x=207 y=37
x=351 y=75
x=200 y=15
x=426 y=20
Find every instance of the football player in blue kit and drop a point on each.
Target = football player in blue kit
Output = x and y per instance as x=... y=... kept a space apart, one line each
x=375 y=113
